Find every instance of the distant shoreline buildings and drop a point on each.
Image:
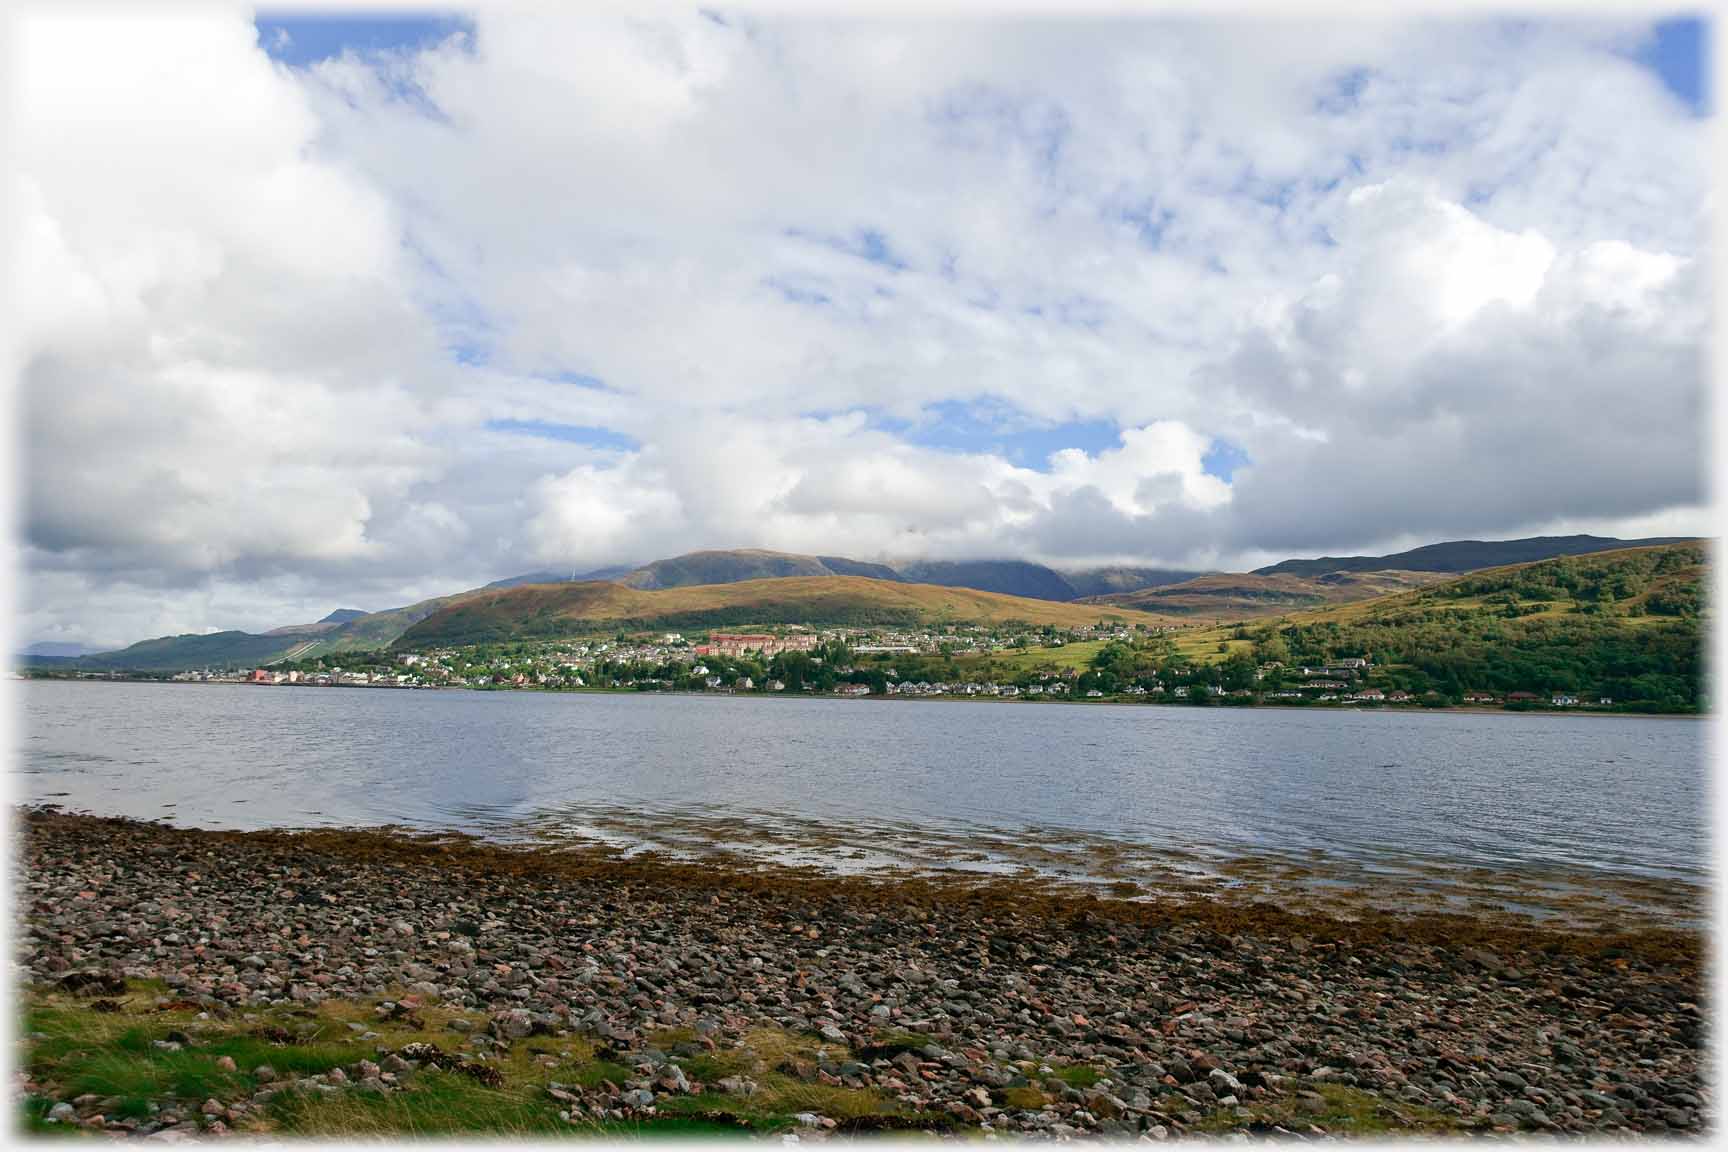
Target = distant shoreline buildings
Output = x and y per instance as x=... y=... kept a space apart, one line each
x=739 y=643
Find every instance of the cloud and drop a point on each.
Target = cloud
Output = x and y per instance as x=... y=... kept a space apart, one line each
x=284 y=326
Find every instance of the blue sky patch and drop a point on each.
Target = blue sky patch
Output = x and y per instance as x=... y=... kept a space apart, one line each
x=865 y=244
x=569 y=433
x=1678 y=52
x=302 y=38
x=1222 y=460
x=992 y=426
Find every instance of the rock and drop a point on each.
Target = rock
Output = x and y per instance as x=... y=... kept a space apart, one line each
x=736 y=1086
x=225 y=1063
x=62 y=1113
x=264 y=1074
x=513 y=1024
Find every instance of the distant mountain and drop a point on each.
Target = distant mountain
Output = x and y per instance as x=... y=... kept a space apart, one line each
x=1466 y=555
x=572 y=577
x=1007 y=577
x=1291 y=585
x=57 y=649
x=193 y=650
x=540 y=611
x=1246 y=596
x=1105 y=581
x=841 y=566
x=738 y=564
x=365 y=631
x=729 y=566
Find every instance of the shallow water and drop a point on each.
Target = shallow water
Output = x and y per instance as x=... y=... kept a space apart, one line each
x=1105 y=793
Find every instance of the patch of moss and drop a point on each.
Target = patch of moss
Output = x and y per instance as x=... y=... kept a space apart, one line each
x=1078 y=1075
x=1341 y=1109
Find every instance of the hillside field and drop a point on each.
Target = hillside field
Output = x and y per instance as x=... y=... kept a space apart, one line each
x=547 y=610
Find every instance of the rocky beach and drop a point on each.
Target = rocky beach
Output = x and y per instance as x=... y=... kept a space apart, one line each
x=179 y=983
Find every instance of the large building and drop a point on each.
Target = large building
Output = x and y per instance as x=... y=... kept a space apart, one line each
x=738 y=643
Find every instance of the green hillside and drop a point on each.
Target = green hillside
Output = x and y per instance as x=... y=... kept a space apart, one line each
x=1246 y=595
x=1628 y=625
x=543 y=610
x=1466 y=555
x=177 y=653
x=363 y=632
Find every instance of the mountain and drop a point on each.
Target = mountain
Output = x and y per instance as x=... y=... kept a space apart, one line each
x=739 y=564
x=729 y=566
x=1007 y=577
x=549 y=577
x=343 y=616
x=1466 y=555
x=1627 y=624
x=193 y=650
x=367 y=631
x=1246 y=596
x=1107 y=581
x=538 y=611
x=56 y=649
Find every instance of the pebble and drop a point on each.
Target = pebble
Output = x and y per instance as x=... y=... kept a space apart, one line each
x=1177 y=1021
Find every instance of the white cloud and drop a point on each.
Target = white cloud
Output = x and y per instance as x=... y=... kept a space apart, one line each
x=1434 y=279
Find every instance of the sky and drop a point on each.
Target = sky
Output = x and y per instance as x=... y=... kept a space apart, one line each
x=347 y=312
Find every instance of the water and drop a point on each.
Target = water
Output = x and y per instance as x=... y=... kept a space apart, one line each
x=1101 y=791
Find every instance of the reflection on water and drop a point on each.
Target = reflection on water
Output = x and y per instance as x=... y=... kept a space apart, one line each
x=1448 y=809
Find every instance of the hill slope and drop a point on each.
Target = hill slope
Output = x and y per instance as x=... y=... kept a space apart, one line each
x=730 y=566
x=1465 y=555
x=1247 y=596
x=544 y=610
x=1090 y=582
x=233 y=649
x=1008 y=577
x=1626 y=624
x=733 y=566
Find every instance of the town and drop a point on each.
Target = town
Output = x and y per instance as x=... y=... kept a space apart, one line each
x=1103 y=663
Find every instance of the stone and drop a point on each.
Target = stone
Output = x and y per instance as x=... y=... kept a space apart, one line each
x=736 y=1086
x=1224 y=1083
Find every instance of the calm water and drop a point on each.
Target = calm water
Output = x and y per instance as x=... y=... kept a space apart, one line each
x=1621 y=795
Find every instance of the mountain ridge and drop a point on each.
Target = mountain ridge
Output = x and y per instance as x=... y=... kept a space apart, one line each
x=1206 y=594
x=546 y=611
x=1467 y=555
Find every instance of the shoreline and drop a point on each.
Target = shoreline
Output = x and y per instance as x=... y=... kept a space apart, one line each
x=1462 y=709
x=1035 y=1012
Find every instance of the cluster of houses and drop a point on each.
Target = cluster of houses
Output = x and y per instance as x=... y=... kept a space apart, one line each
x=1555 y=699
x=1007 y=691
x=764 y=643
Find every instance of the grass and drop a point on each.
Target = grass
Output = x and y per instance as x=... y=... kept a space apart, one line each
x=1341 y=1109
x=1079 y=654
x=76 y=1050
x=1077 y=1075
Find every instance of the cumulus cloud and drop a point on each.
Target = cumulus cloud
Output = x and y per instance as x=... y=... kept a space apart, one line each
x=584 y=288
